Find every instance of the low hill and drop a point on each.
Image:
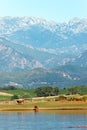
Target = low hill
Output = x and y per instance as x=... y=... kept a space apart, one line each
x=63 y=76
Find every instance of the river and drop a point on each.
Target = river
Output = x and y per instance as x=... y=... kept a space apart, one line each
x=48 y=120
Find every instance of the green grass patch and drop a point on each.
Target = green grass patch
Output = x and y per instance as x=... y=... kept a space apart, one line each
x=22 y=93
x=4 y=98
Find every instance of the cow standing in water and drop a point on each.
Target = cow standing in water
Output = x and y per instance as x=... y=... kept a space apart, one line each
x=36 y=108
x=20 y=101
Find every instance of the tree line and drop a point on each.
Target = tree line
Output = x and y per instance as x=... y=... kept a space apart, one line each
x=45 y=91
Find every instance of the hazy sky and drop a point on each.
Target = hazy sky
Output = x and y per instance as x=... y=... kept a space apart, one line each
x=55 y=10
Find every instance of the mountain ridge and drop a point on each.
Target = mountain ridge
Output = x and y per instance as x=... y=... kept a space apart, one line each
x=29 y=43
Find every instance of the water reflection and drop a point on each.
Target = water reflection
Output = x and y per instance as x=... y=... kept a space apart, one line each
x=43 y=120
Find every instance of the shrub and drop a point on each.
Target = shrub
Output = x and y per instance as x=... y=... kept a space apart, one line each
x=14 y=97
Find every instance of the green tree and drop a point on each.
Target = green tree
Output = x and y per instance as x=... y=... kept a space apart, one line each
x=73 y=90
x=47 y=91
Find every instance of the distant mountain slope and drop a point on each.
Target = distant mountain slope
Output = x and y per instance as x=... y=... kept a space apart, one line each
x=49 y=43
x=31 y=47
x=44 y=34
x=12 y=60
x=81 y=60
x=63 y=76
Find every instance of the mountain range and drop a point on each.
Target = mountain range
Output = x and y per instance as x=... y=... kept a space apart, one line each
x=46 y=52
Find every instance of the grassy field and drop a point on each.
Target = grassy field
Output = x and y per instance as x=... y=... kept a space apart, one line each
x=60 y=102
x=21 y=93
x=47 y=105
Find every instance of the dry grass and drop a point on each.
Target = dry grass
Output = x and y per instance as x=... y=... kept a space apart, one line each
x=47 y=105
x=5 y=94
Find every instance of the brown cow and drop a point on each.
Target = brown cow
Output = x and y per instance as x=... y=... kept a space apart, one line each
x=20 y=101
x=36 y=108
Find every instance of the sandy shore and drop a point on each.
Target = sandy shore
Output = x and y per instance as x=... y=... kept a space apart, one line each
x=40 y=109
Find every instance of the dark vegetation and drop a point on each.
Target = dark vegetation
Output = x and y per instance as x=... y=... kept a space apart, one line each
x=46 y=91
x=43 y=91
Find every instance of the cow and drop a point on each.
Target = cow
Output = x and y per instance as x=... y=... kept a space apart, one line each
x=36 y=108
x=20 y=101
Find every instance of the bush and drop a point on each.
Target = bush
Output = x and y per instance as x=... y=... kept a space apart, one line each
x=14 y=97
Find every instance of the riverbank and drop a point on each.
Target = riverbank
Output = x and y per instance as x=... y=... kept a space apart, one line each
x=40 y=109
x=42 y=106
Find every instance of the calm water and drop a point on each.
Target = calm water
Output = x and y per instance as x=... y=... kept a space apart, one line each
x=58 y=120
